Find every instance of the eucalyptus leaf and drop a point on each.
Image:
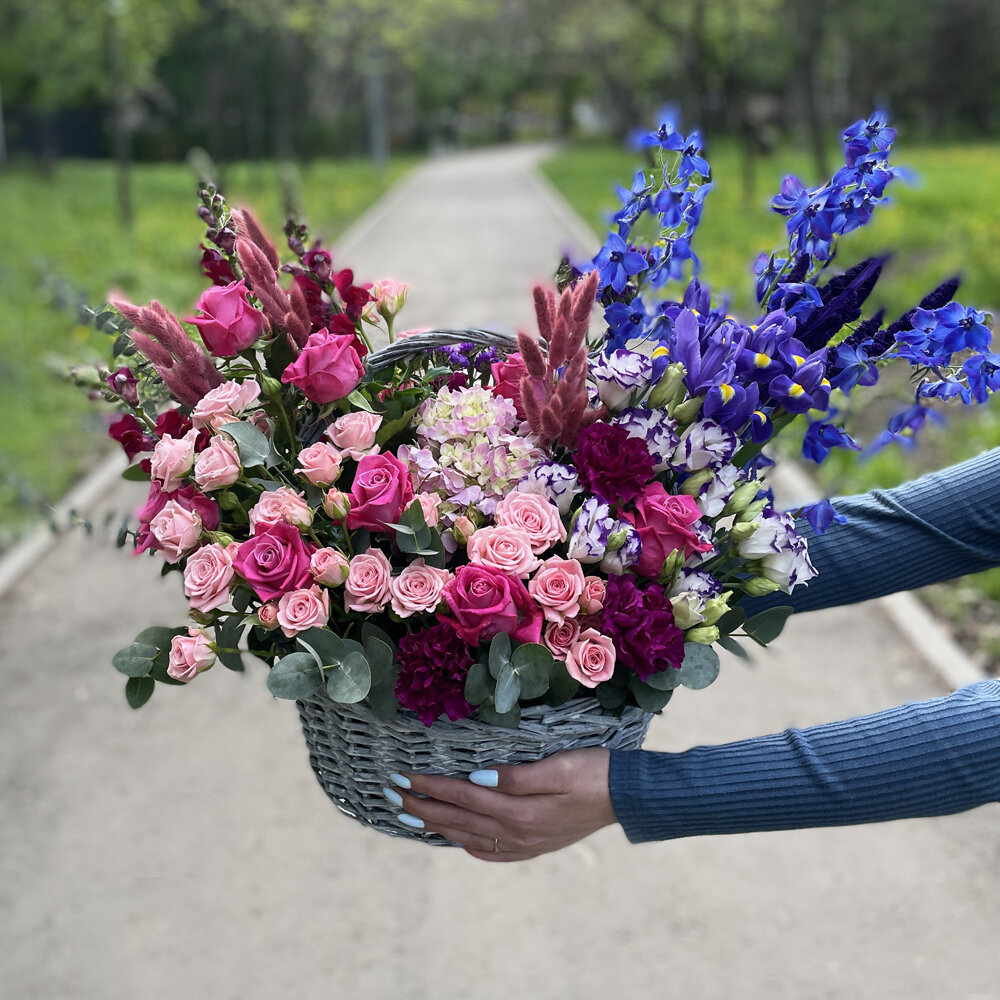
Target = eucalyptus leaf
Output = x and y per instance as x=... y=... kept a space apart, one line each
x=700 y=666
x=506 y=720
x=135 y=660
x=508 y=689
x=329 y=647
x=728 y=643
x=138 y=690
x=647 y=698
x=665 y=680
x=611 y=697
x=242 y=596
x=252 y=443
x=767 y=626
x=370 y=631
x=731 y=620
x=532 y=663
x=159 y=635
x=350 y=681
x=562 y=686
x=379 y=657
x=294 y=677
x=499 y=653
x=228 y=637
x=479 y=684
x=382 y=701
x=136 y=474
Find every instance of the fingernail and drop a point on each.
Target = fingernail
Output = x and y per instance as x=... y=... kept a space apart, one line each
x=393 y=796
x=407 y=820
x=399 y=780
x=488 y=779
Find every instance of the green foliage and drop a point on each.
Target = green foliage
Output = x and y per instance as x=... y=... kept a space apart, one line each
x=295 y=676
x=768 y=625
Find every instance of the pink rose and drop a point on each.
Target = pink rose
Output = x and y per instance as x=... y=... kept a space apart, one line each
x=282 y=504
x=329 y=567
x=664 y=525
x=557 y=587
x=507 y=377
x=229 y=323
x=484 y=602
x=535 y=516
x=299 y=610
x=218 y=465
x=328 y=368
x=274 y=560
x=319 y=463
x=172 y=460
x=187 y=497
x=189 y=655
x=367 y=585
x=592 y=598
x=354 y=433
x=429 y=503
x=463 y=529
x=223 y=404
x=504 y=548
x=267 y=615
x=417 y=589
x=381 y=492
x=207 y=576
x=176 y=530
x=591 y=658
x=337 y=504
x=557 y=637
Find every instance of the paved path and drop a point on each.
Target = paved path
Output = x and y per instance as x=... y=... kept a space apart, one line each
x=186 y=850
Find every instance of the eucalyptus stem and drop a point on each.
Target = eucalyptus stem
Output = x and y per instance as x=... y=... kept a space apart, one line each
x=255 y=364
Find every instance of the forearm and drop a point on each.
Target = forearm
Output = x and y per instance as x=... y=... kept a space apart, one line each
x=927 y=758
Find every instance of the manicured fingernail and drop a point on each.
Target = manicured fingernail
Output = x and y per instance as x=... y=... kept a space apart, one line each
x=407 y=820
x=394 y=797
x=488 y=779
x=399 y=780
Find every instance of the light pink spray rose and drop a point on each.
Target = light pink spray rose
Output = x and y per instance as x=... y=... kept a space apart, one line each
x=417 y=589
x=557 y=637
x=224 y=404
x=382 y=490
x=535 y=516
x=463 y=529
x=303 y=609
x=354 y=433
x=591 y=659
x=389 y=296
x=367 y=585
x=207 y=576
x=172 y=460
x=189 y=655
x=327 y=369
x=429 y=503
x=337 y=504
x=229 y=323
x=329 y=566
x=319 y=463
x=282 y=504
x=267 y=615
x=592 y=598
x=176 y=530
x=504 y=548
x=218 y=465
x=557 y=587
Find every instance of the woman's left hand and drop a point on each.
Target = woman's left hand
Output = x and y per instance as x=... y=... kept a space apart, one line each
x=515 y=812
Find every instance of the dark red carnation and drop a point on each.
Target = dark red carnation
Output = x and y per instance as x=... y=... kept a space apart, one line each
x=128 y=432
x=640 y=622
x=434 y=663
x=612 y=463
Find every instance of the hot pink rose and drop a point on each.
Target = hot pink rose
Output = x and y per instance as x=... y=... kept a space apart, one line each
x=367 y=585
x=505 y=548
x=557 y=587
x=557 y=637
x=299 y=610
x=328 y=368
x=664 y=525
x=381 y=492
x=172 y=460
x=507 y=380
x=176 y=530
x=591 y=658
x=319 y=463
x=282 y=504
x=207 y=576
x=218 y=465
x=354 y=433
x=224 y=404
x=274 y=560
x=417 y=589
x=483 y=602
x=189 y=655
x=329 y=567
x=535 y=516
x=594 y=592
x=229 y=323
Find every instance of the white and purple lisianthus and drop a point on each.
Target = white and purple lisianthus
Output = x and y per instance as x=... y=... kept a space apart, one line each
x=557 y=483
x=705 y=444
x=781 y=550
x=621 y=376
x=656 y=427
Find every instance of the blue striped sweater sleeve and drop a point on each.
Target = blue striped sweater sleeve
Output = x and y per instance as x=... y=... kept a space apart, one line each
x=926 y=758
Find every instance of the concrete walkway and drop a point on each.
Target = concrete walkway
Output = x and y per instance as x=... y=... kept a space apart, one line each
x=187 y=851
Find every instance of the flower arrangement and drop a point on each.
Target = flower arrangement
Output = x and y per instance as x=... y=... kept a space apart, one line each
x=459 y=525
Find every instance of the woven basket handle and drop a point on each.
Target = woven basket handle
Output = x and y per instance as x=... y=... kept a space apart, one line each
x=386 y=357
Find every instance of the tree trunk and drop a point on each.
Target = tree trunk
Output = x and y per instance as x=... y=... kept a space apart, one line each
x=121 y=139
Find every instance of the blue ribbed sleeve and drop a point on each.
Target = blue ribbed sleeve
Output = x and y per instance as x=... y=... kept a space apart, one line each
x=927 y=758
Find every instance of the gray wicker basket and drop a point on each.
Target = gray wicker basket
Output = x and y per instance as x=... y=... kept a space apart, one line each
x=353 y=753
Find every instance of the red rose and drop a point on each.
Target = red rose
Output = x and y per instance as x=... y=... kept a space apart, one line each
x=275 y=560
x=229 y=323
x=664 y=524
x=327 y=369
x=485 y=602
x=381 y=492
x=507 y=376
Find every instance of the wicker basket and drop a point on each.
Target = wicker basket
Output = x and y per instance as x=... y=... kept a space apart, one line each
x=353 y=753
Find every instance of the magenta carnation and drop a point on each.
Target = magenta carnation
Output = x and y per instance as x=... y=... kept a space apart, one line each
x=612 y=463
x=433 y=666
x=640 y=622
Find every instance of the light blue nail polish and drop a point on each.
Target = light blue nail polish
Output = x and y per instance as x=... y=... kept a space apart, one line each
x=407 y=820
x=399 y=780
x=393 y=796
x=488 y=779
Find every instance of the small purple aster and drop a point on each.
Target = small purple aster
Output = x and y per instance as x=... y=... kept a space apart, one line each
x=434 y=663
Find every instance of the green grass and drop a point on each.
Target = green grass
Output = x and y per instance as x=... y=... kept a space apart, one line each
x=60 y=238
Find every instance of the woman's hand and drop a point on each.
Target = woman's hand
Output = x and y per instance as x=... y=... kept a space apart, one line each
x=515 y=812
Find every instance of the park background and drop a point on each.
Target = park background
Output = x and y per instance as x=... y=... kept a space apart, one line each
x=110 y=110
